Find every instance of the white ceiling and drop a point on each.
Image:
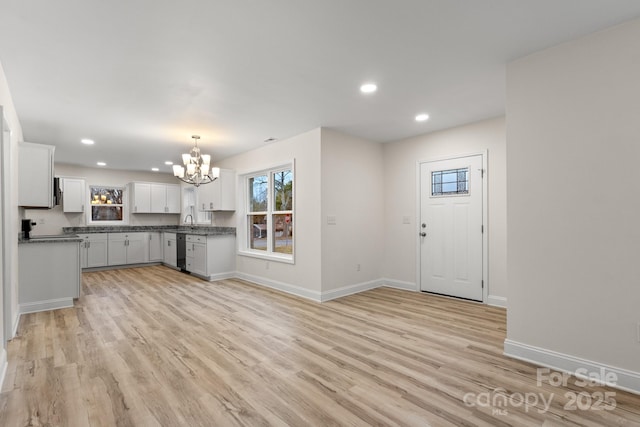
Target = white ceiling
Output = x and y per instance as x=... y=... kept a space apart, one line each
x=139 y=77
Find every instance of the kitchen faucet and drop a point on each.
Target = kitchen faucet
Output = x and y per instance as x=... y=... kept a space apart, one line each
x=189 y=216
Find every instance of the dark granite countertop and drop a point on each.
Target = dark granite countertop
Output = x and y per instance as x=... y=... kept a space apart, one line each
x=199 y=230
x=58 y=238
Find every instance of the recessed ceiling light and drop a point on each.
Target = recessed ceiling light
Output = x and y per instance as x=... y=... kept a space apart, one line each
x=87 y=141
x=155 y=169
x=422 y=117
x=168 y=163
x=368 y=88
x=101 y=164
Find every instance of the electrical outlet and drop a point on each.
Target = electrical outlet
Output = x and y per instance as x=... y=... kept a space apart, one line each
x=406 y=220
x=41 y=221
x=266 y=265
x=331 y=220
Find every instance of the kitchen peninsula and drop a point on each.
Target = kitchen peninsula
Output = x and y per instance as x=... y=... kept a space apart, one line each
x=209 y=252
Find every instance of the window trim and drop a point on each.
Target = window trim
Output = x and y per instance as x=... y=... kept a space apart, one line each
x=125 y=206
x=244 y=248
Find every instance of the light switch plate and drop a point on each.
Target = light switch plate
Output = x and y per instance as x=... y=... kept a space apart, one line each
x=331 y=220
x=406 y=220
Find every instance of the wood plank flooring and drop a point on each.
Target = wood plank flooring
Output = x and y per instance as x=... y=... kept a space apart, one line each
x=151 y=346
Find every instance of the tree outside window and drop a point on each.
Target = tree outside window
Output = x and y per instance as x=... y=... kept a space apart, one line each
x=270 y=212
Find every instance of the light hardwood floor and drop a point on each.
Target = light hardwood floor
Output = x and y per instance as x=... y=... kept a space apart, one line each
x=151 y=346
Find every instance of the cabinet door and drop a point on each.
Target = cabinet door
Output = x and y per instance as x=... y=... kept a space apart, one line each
x=117 y=249
x=137 y=248
x=158 y=198
x=84 y=245
x=73 y=195
x=155 y=246
x=173 y=199
x=220 y=195
x=35 y=175
x=141 y=195
x=170 y=252
x=199 y=259
x=97 y=255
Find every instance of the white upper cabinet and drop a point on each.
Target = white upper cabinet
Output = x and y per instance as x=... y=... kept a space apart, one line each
x=173 y=198
x=140 y=197
x=73 y=195
x=35 y=175
x=220 y=195
x=155 y=198
x=158 y=198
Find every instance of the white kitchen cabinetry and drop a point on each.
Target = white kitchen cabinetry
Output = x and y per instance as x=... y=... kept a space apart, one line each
x=35 y=175
x=49 y=275
x=140 y=197
x=197 y=255
x=220 y=195
x=149 y=197
x=128 y=248
x=73 y=195
x=211 y=257
x=93 y=250
x=165 y=198
x=155 y=246
x=170 y=250
x=173 y=199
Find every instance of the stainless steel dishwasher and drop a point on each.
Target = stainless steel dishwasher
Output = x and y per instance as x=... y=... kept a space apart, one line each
x=181 y=243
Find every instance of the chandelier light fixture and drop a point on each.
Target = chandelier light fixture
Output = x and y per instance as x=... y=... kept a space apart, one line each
x=197 y=168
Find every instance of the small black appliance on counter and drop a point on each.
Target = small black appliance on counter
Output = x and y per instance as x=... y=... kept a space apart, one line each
x=27 y=226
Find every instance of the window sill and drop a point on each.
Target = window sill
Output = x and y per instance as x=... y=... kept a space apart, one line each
x=286 y=259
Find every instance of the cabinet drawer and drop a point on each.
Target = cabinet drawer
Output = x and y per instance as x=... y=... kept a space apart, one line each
x=196 y=239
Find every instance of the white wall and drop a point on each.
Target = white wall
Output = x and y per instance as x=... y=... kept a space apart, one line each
x=51 y=221
x=352 y=183
x=16 y=136
x=573 y=129
x=400 y=197
x=303 y=277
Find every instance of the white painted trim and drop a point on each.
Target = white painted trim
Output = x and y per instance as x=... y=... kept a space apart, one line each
x=350 y=290
x=485 y=214
x=497 y=301
x=220 y=276
x=627 y=380
x=52 y=304
x=398 y=284
x=16 y=322
x=280 y=286
x=4 y=364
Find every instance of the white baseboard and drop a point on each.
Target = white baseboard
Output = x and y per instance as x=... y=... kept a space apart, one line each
x=497 y=301
x=52 y=304
x=16 y=322
x=349 y=290
x=280 y=286
x=626 y=380
x=397 y=284
x=4 y=364
x=222 y=276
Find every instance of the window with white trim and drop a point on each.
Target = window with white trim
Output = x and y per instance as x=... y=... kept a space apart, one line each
x=269 y=225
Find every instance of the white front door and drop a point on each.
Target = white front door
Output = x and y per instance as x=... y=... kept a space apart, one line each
x=451 y=227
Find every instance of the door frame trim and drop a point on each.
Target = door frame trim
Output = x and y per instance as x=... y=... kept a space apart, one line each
x=485 y=215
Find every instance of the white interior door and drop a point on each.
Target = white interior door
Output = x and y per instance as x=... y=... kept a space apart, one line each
x=451 y=231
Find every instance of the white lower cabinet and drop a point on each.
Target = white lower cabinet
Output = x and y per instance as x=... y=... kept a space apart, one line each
x=128 y=248
x=93 y=250
x=211 y=257
x=155 y=246
x=170 y=250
